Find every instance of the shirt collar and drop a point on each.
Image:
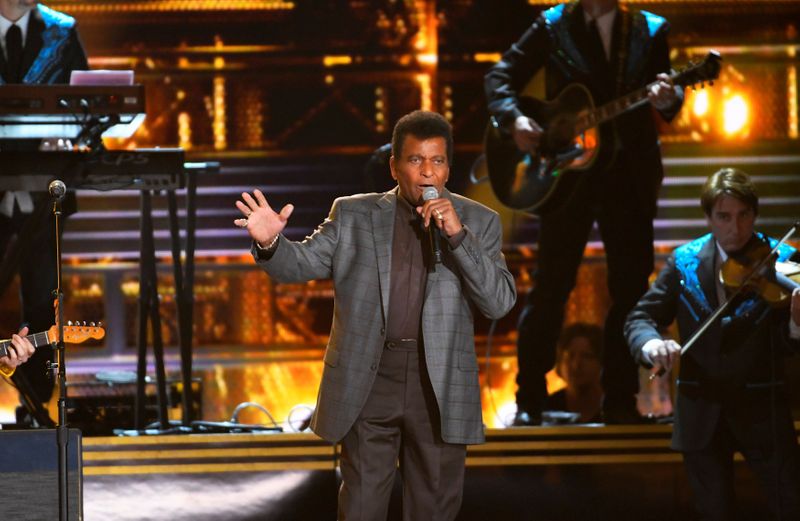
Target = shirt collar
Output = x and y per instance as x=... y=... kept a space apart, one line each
x=22 y=23
x=405 y=207
x=722 y=255
x=605 y=26
x=605 y=20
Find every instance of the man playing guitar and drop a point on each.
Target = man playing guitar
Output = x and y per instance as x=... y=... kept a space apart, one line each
x=610 y=50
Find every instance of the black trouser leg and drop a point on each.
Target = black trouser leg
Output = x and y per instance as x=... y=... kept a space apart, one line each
x=777 y=466
x=627 y=232
x=562 y=240
x=710 y=475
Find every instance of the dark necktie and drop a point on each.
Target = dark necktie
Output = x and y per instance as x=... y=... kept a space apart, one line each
x=597 y=51
x=598 y=63
x=13 y=54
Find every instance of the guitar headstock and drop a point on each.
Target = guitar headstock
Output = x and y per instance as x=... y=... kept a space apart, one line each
x=705 y=71
x=76 y=333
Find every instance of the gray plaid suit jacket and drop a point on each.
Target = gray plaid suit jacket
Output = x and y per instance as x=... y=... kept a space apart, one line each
x=353 y=246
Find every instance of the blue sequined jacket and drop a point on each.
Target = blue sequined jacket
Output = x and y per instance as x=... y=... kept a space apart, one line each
x=735 y=368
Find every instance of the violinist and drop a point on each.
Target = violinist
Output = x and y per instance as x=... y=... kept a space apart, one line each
x=730 y=392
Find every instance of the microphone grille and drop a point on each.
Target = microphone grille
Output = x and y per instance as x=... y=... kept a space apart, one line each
x=429 y=193
x=57 y=188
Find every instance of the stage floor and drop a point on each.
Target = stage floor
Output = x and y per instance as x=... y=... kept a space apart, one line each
x=544 y=473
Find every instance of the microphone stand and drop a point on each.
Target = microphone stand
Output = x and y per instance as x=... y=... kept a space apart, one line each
x=57 y=191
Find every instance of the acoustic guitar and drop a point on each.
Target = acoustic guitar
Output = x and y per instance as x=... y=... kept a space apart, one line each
x=531 y=181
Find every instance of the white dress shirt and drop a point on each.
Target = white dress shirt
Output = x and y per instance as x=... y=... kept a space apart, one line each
x=605 y=26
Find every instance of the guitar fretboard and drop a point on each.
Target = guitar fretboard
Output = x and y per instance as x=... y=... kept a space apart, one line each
x=37 y=339
x=613 y=109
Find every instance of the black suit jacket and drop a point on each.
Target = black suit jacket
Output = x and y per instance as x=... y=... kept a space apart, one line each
x=734 y=371
x=558 y=42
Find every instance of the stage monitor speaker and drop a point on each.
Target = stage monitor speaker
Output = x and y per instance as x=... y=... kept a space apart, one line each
x=29 y=470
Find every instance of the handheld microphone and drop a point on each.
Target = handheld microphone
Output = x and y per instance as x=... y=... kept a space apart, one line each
x=57 y=189
x=433 y=232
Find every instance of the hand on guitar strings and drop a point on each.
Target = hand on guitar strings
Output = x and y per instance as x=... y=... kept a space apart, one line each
x=261 y=221
x=663 y=93
x=526 y=133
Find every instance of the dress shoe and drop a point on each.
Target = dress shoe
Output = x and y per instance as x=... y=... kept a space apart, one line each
x=523 y=418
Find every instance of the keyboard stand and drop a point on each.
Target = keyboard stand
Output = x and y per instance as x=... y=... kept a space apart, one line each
x=183 y=274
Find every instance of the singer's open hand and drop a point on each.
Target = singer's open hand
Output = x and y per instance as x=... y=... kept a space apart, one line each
x=262 y=222
x=442 y=213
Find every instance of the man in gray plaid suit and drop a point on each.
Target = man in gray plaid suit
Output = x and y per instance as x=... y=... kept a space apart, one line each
x=400 y=380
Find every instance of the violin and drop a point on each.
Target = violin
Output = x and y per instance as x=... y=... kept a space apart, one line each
x=757 y=270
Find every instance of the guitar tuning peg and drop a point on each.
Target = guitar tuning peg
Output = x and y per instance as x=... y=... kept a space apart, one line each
x=99 y=324
x=69 y=322
x=84 y=323
x=91 y=324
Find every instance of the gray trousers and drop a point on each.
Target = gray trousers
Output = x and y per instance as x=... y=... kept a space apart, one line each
x=400 y=423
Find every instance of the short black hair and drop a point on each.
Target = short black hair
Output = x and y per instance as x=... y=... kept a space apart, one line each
x=728 y=181
x=422 y=124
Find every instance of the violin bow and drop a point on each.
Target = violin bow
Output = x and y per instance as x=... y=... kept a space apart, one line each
x=725 y=305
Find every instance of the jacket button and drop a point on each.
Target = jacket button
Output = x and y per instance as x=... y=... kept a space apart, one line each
x=373 y=366
x=383 y=331
x=390 y=344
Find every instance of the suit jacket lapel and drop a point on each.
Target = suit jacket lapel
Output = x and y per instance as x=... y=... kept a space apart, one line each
x=615 y=65
x=576 y=29
x=3 y=71
x=382 y=233
x=33 y=41
x=705 y=272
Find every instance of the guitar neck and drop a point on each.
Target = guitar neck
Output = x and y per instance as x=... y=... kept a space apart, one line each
x=37 y=339
x=707 y=70
x=612 y=109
